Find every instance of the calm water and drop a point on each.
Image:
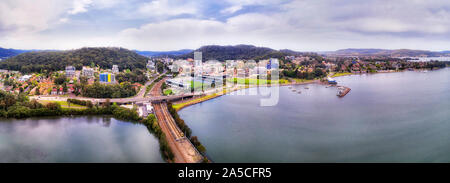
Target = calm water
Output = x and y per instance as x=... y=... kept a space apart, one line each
x=76 y=139
x=426 y=59
x=392 y=117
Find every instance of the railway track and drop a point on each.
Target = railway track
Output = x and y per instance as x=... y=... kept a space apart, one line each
x=183 y=149
x=169 y=121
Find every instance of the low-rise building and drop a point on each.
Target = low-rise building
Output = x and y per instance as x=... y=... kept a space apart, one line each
x=151 y=65
x=24 y=78
x=54 y=92
x=88 y=72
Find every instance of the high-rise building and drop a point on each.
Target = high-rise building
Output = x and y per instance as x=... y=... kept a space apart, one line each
x=107 y=78
x=115 y=69
x=70 y=71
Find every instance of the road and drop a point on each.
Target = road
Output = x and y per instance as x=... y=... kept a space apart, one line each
x=139 y=97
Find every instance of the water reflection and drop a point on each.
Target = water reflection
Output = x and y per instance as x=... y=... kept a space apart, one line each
x=76 y=139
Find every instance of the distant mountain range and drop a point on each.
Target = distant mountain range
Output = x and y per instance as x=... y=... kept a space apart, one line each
x=385 y=52
x=5 y=53
x=223 y=53
x=163 y=53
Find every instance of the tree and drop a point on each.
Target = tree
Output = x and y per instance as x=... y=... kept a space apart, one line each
x=60 y=79
x=83 y=80
x=64 y=87
x=37 y=91
x=53 y=106
x=318 y=73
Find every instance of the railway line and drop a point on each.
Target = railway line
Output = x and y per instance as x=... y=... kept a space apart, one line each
x=181 y=146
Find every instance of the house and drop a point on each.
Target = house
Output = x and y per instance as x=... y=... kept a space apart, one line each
x=148 y=107
x=54 y=92
x=136 y=86
x=70 y=90
x=91 y=81
x=61 y=91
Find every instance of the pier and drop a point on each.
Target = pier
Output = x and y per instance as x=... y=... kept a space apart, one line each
x=342 y=91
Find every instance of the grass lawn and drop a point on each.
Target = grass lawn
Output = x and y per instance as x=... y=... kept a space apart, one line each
x=252 y=81
x=207 y=97
x=167 y=92
x=63 y=104
x=204 y=98
x=341 y=74
x=197 y=85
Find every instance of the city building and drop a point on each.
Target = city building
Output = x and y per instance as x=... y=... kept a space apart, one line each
x=272 y=64
x=107 y=78
x=88 y=72
x=151 y=65
x=70 y=71
x=115 y=69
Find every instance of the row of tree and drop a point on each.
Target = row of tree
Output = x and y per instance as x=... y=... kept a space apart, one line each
x=187 y=131
x=86 y=103
x=47 y=61
x=296 y=73
x=98 y=90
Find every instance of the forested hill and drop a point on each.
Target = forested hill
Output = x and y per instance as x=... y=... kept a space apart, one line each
x=390 y=53
x=58 y=60
x=223 y=53
x=163 y=53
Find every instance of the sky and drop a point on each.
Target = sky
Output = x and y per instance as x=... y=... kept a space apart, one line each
x=162 y=25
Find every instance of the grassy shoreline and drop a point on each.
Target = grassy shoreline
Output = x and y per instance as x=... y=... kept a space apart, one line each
x=179 y=106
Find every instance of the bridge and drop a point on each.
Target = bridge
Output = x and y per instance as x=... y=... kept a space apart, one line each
x=152 y=99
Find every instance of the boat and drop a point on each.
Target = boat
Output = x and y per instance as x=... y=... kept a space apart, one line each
x=306 y=87
x=299 y=92
x=331 y=81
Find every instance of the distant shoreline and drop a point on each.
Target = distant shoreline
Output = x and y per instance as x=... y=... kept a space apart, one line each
x=179 y=106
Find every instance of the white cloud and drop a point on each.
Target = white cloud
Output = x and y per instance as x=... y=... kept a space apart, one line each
x=231 y=9
x=22 y=16
x=167 y=8
x=301 y=24
x=63 y=20
x=80 y=6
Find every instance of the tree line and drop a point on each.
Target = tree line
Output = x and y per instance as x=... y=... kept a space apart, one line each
x=47 y=61
x=19 y=106
x=187 y=131
x=98 y=90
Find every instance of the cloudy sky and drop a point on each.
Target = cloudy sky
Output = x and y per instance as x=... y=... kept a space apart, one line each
x=159 y=25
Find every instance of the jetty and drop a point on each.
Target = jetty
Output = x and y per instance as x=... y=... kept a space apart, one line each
x=342 y=91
